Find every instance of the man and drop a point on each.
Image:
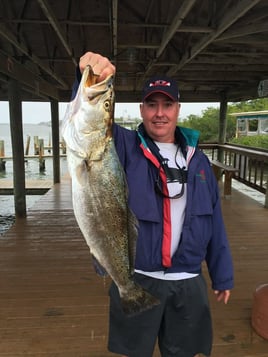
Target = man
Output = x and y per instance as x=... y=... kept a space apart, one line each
x=174 y=195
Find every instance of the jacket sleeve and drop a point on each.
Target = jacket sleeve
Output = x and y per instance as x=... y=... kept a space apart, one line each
x=218 y=257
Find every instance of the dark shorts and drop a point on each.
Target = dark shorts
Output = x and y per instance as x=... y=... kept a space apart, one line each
x=181 y=323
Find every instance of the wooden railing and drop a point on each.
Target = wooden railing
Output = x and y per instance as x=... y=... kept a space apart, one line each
x=252 y=164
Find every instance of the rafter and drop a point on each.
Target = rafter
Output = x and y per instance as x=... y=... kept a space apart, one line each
x=230 y=17
x=57 y=28
x=8 y=36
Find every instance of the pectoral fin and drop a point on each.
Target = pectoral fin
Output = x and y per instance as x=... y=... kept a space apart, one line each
x=82 y=172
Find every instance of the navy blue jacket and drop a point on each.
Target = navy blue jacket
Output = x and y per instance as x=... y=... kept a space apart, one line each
x=203 y=235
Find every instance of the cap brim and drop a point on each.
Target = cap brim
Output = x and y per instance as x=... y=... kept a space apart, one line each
x=162 y=92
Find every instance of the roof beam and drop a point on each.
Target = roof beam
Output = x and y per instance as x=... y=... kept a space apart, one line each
x=114 y=22
x=8 y=36
x=11 y=68
x=57 y=28
x=177 y=21
x=139 y=45
x=234 y=13
x=173 y=28
x=185 y=28
x=244 y=31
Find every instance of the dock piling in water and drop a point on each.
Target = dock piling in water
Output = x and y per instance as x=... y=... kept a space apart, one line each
x=2 y=155
x=27 y=145
x=42 y=163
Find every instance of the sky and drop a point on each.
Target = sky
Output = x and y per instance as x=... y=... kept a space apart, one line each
x=36 y=112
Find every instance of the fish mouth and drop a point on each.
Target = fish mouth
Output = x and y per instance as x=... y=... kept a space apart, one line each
x=91 y=77
x=94 y=89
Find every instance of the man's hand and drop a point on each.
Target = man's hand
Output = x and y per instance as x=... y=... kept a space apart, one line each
x=222 y=295
x=99 y=64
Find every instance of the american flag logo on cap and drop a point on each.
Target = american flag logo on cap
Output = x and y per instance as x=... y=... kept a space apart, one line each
x=160 y=82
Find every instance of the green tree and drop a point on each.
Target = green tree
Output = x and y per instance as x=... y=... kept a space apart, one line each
x=249 y=106
x=208 y=123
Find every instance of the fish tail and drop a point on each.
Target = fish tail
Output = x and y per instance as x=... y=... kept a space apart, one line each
x=138 y=300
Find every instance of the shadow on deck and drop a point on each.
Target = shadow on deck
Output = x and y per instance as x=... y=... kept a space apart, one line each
x=53 y=304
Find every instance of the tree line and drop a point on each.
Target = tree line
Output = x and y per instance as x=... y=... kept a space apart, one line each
x=208 y=124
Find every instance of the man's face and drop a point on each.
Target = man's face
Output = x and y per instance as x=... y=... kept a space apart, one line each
x=160 y=114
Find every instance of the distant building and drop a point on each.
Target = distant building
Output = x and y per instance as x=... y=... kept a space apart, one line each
x=251 y=123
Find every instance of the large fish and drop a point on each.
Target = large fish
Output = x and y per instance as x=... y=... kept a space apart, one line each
x=99 y=188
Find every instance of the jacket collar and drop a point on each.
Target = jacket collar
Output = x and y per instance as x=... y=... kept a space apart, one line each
x=180 y=139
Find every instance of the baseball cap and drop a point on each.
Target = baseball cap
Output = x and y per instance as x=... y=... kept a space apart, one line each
x=161 y=84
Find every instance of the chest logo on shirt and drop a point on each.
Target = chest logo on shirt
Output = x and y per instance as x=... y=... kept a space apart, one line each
x=202 y=175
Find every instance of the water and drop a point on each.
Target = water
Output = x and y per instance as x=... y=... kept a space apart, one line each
x=43 y=131
x=32 y=171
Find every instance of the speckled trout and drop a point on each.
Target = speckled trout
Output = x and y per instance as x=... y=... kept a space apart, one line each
x=99 y=188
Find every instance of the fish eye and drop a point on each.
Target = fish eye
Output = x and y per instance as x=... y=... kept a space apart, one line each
x=106 y=105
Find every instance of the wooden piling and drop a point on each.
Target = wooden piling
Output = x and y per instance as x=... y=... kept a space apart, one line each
x=49 y=143
x=2 y=148
x=42 y=164
x=55 y=140
x=36 y=145
x=2 y=165
x=16 y=129
x=2 y=155
x=27 y=145
x=63 y=147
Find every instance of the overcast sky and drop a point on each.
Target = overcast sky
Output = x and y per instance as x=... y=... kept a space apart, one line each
x=36 y=112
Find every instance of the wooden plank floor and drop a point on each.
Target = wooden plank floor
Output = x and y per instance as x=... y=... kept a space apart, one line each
x=53 y=305
x=37 y=187
x=6 y=183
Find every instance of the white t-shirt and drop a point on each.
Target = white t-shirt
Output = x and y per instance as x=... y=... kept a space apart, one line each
x=174 y=159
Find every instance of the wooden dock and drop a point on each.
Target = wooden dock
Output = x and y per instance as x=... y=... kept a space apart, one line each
x=52 y=304
x=32 y=187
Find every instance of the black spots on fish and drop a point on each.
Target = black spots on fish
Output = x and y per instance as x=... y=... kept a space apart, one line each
x=138 y=300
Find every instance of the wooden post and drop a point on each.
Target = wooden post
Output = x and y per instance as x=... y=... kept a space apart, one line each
x=36 y=145
x=15 y=110
x=55 y=139
x=49 y=143
x=63 y=146
x=266 y=199
x=2 y=148
x=42 y=164
x=222 y=125
x=27 y=145
x=2 y=156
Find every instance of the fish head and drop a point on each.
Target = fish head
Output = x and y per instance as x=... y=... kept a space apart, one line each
x=89 y=116
x=100 y=99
